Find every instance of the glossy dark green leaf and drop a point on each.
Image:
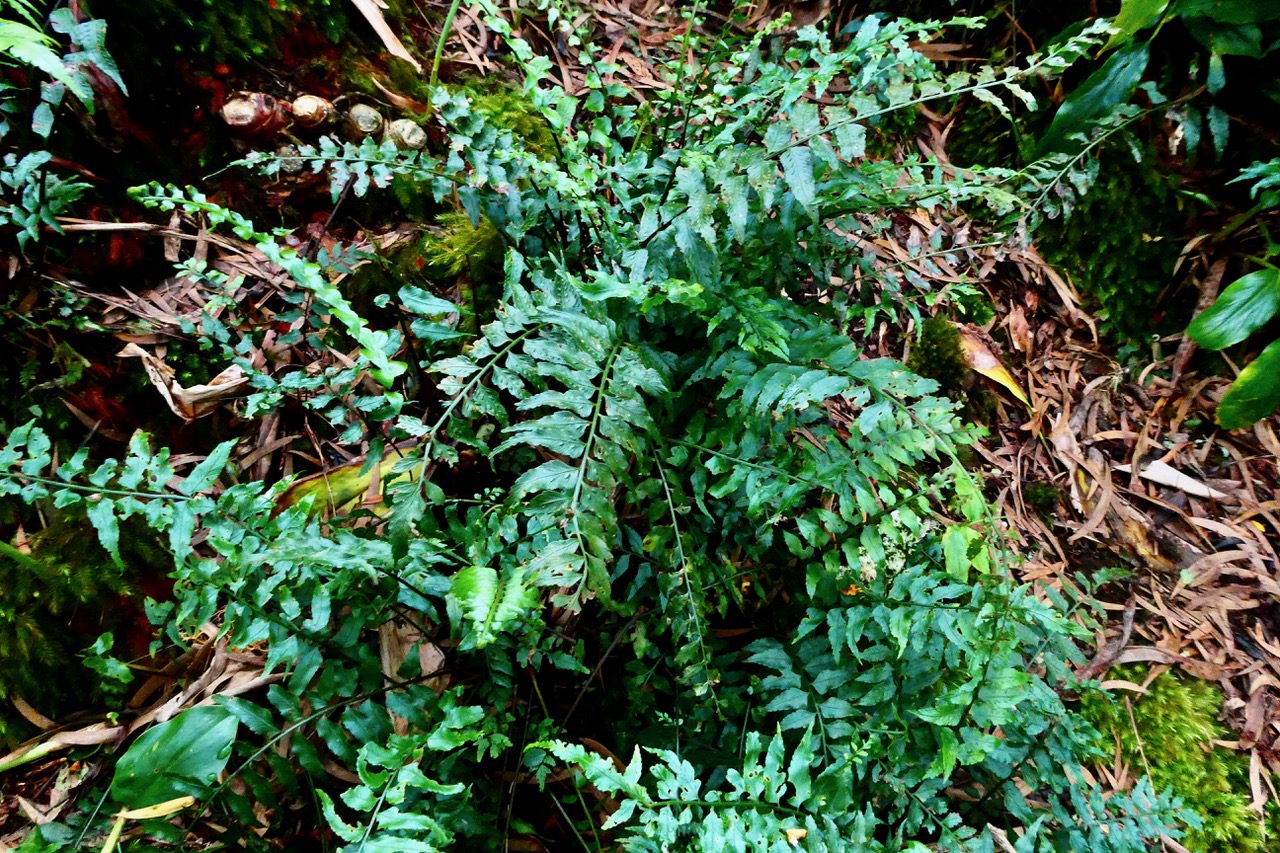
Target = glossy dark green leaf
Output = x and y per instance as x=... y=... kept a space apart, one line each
x=1107 y=88
x=1227 y=39
x=1255 y=393
x=419 y=301
x=1135 y=16
x=1241 y=310
x=1230 y=11
x=170 y=759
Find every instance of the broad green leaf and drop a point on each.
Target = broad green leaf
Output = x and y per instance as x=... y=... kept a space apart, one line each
x=419 y=301
x=1226 y=39
x=1255 y=393
x=169 y=759
x=1241 y=310
x=1135 y=15
x=1107 y=88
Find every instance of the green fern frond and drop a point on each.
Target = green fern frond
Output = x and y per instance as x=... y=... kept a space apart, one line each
x=489 y=604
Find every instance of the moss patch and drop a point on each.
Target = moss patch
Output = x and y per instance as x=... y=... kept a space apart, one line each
x=1176 y=724
x=1121 y=243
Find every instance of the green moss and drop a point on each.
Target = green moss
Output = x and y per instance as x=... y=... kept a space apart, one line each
x=55 y=601
x=937 y=354
x=471 y=255
x=505 y=106
x=454 y=255
x=502 y=104
x=460 y=248
x=356 y=73
x=1176 y=724
x=1041 y=496
x=1121 y=242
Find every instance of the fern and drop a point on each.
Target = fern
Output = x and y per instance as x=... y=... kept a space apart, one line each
x=663 y=434
x=771 y=801
x=490 y=606
x=307 y=274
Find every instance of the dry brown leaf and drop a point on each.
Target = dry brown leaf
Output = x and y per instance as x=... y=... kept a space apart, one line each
x=1019 y=330
x=1149 y=654
x=30 y=714
x=401 y=101
x=1121 y=684
x=196 y=401
x=372 y=11
x=1101 y=501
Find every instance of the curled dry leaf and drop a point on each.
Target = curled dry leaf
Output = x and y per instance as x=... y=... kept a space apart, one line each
x=399 y=101
x=1019 y=330
x=1166 y=475
x=196 y=401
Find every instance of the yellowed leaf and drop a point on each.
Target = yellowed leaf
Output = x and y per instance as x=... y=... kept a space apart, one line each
x=340 y=489
x=795 y=835
x=980 y=359
x=164 y=809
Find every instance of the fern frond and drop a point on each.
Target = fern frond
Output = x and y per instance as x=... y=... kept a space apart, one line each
x=491 y=604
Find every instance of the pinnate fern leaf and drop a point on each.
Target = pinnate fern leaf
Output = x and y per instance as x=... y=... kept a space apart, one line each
x=489 y=603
